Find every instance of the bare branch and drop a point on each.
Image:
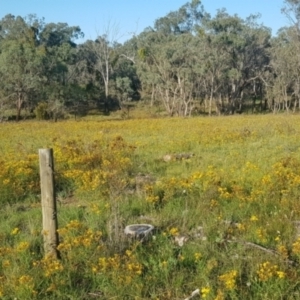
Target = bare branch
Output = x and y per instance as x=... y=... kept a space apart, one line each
x=132 y=58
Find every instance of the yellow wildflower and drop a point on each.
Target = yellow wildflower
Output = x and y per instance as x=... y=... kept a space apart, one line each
x=174 y=231
x=229 y=280
x=205 y=291
x=15 y=231
x=254 y=218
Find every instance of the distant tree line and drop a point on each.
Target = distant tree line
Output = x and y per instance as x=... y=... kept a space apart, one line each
x=187 y=63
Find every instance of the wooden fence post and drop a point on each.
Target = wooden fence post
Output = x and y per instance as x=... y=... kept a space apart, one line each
x=48 y=202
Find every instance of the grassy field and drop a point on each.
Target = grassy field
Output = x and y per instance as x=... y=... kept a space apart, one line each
x=222 y=193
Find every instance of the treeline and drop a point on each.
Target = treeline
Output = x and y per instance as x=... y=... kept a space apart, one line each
x=187 y=63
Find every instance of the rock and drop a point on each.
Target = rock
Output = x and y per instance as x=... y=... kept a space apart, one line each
x=139 y=231
x=178 y=156
x=167 y=157
x=297 y=226
x=181 y=240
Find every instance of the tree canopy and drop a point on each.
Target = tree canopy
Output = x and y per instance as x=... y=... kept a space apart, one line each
x=188 y=63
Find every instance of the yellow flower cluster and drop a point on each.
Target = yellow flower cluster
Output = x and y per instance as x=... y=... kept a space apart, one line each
x=224 y=193
x=296 y=247
x=229 y=280
x=49 y=265
x=19 y=175
x=220 y=295
x=75 y=235
x=97 y=165
x=22 y=246
x=205 y=292
x=5 y=251
x=197 y=256
x=267 y=271
x=253 y=218
x=261 y=234
x=25 y=280
x=283 y=251
x=15 y=231
x=1 y=286
x=119 y=264
x=174 y=231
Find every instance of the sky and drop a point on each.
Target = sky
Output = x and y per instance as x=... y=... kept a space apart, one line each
x=128 y=17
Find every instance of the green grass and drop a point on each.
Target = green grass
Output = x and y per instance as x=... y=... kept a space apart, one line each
x=235 y=202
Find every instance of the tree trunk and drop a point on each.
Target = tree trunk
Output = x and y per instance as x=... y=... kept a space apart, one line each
x=210 y=104
x=19 y=106
x=152 y=95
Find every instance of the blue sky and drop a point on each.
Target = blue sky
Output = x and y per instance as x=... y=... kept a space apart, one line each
x=132 y=16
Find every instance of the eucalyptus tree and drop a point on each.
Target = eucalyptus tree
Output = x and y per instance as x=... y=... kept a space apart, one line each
x=237 y=50
x=167 y=56
x=186 y=67
x=61 y=65
x=292 y=11
x=125 y=81
x=100 y=59
x=144 y=65
x=213 y=69
x=188 y=55
x=35 y=59
x=186 y=19
x=21 y=60
x=166 y=65
x=284 y=80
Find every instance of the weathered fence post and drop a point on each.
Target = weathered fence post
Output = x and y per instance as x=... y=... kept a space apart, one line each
x=48 y=202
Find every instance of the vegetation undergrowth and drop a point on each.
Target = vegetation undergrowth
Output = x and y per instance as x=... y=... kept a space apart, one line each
x=222 y=194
